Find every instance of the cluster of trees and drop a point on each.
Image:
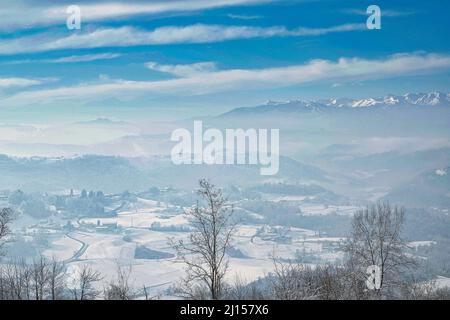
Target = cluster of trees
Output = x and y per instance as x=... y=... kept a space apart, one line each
x=87 y=203
x=36 y=281
x=375 y=240
x=47 y=280
x=37 y=205
x=6 y=216
x=32 y=205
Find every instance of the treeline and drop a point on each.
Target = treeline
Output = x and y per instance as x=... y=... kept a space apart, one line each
x=48 y=280
x=45 y=279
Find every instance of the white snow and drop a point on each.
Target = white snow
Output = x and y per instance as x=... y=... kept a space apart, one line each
x=417 y=244
x=62 y=249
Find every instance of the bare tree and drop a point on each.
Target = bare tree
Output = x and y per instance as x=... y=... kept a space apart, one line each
x=40 y=276
x=26 y=278
x=12 y=284
x=57 y=279
x=376 y=241
x=145 y=291
x=83 y=286
x=205 y=251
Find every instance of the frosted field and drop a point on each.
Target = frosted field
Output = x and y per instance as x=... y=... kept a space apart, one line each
x=417 y=244
x=290 y=198
x=142 y=218
x=259 y=249
x=139 y=219
x=105 y=251
x=249 y=269
x=253 y=246
x=62 y=249
x=442 y=282
x=155 y=275
x=310 y=210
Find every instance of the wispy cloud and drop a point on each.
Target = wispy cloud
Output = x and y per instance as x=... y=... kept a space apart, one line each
x=6 y=83
x=384 y=12
x=85 y=58
x=69 y=59
x=183 y=70
x=244 y=17
x=129 y=36
x=342 y=70
x=39 y=13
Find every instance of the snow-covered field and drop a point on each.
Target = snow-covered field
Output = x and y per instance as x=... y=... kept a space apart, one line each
x=62 y=249
x=327 y=209
x=417 y=244
x=105 y=249
x=141 y=218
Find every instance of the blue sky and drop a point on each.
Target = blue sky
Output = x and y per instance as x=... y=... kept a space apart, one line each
x=157 y=59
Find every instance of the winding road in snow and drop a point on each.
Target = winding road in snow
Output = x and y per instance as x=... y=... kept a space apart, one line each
x=80 y=252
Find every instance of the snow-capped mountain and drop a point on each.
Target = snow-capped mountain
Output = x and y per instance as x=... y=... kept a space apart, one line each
x=418 y=99
x=432 y=99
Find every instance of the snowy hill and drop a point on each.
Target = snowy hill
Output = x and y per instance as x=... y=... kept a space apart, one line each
x=428 y=189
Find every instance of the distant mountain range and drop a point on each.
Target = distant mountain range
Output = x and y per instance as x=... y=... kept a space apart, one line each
x=117 y=174
x=102 y=121
x=110 y=174
x=432 y=99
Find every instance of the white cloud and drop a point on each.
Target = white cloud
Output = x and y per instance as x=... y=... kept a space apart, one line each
x=384 y=12
x=343 y=70
x=244 y=17
x=69 y=59
x=12 y=17
x=183 y=70
x=85 y=58
x=129 y=36
x=6 y=83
